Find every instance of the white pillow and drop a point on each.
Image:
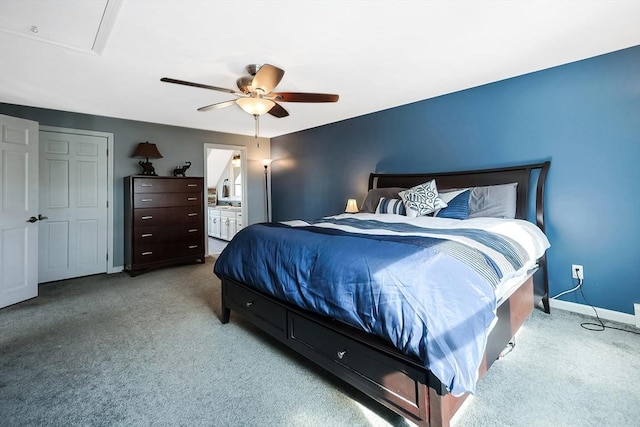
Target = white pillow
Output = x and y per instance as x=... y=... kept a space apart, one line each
x=422 y=199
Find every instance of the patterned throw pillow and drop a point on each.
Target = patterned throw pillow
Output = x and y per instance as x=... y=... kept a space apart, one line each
x=422 y=199
x=391 y=206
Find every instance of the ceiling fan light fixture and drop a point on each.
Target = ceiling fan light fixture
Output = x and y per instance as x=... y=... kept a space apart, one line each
x=255 y=106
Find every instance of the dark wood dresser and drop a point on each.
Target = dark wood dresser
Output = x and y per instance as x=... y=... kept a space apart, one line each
x=164 y=221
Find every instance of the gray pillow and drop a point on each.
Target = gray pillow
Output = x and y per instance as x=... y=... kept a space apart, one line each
x=495 y=201
x=374 y=195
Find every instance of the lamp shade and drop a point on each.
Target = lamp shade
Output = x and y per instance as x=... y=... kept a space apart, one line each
x=352 y=206
x=147 y=150
x=255 y=106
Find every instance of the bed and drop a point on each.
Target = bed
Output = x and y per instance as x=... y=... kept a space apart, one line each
x=415 y=342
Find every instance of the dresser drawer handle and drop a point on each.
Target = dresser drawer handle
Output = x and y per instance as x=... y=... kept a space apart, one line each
x=146 y=185
x=342 y=353
x=192 y=185
x=147 y=253
x=192 y=214
x=193 y=230
x=147 y=217
x=192 y=198
x=147 y=235
x=146 y=200
x=248 y=303
x=193 y=246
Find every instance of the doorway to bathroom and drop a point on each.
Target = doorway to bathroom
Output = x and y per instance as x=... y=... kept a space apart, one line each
x=226 y=201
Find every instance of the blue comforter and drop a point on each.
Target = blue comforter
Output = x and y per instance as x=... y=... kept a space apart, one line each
x=430 y=297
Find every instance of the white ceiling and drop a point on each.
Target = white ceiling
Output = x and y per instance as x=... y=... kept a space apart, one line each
x=106 y=57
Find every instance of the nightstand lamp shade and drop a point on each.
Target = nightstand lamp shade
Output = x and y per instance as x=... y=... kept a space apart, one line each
x=352 y=206
x=148 y=151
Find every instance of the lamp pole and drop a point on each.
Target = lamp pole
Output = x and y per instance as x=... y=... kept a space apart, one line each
x=266 y=193
x=266 y=163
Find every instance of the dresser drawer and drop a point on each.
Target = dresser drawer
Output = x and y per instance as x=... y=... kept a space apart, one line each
x=184 y=232
x=184 y=249
x=266 y=315
x=382 y=376
x=161 y=200
x=147 y=253
x=149 y=217
x=170 y=185
x=182 y=215
x=148 y=235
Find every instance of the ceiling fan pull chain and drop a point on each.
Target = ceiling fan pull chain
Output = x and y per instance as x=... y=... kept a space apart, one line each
x=257 y=128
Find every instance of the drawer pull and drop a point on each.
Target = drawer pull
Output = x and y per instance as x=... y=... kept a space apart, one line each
x=193 y=246
x=146 y=200
x=146 y=185
x=192 y=185
x=342 y=353
x=147 y=217
x=147 y=235
x=147 y=253
x=192 y=214
x=192 y=198
x=193 y=230
x=249 y=303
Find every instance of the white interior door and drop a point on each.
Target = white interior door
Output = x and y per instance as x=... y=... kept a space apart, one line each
x=18 y=206
x=73 y=203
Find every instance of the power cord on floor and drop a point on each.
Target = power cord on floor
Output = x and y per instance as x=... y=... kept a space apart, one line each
x=591 y=326
x=600 y=326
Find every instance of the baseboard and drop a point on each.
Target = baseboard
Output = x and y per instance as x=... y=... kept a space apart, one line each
x=603 y=313
x=116 y=269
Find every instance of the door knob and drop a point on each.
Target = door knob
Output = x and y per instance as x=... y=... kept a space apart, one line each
x=41 y=217
x=32 y=219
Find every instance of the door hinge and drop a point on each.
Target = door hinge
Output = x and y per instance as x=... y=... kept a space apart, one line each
x=107 y=257
x=107 y=203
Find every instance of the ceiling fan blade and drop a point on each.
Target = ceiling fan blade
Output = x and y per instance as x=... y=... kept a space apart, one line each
x=267 y=78
x=182 y=82
x=303 y=97
x=278 y=111
x=218 y=105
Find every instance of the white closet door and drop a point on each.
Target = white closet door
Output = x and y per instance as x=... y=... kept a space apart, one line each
x=73 y=202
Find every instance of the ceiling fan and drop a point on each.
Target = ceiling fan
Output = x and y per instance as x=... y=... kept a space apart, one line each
x=255 y=94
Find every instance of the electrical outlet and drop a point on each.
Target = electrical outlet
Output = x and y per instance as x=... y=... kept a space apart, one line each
x=577 y=271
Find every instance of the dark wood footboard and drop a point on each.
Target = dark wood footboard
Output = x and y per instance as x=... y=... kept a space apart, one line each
x=365 y=361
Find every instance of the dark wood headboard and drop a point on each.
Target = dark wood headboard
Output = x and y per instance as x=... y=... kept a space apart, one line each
x=523 y=175
x=529 y=178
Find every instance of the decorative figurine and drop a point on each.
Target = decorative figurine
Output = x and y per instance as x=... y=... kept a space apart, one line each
x=180 y=170
x=147 y=168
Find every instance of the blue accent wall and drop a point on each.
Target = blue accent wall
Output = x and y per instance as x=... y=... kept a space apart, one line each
x=583 y=116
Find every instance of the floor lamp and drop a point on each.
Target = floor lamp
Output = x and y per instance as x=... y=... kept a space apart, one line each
x=266 y=163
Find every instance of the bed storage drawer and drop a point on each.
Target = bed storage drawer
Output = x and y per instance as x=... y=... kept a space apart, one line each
x=265 y=314
x=380 y=376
